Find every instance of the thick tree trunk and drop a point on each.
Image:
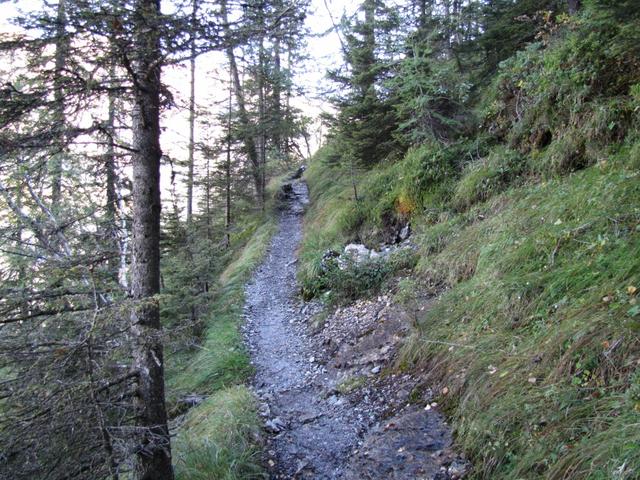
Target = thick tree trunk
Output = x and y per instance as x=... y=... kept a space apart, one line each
x=154 y=454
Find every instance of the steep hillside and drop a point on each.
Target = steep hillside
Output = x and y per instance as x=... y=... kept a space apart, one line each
x=527 y=233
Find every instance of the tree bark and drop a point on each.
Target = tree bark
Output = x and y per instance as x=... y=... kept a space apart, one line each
x=262 y=137
x=154 y=452
x=112 y=180
x=61 y=52
x=277 y=92
x=227 y=175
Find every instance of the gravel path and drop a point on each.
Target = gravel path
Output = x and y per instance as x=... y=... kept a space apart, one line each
x=316 y=432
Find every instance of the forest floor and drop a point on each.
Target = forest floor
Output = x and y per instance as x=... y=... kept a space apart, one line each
x=333 y=406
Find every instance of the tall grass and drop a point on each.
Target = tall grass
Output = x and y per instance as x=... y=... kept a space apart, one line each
x=218 y=440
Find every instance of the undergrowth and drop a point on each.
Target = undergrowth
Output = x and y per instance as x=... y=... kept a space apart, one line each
x=528 y=234
x=219 y=437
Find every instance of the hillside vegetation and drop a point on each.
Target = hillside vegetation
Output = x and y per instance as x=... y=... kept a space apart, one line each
x=524 y=210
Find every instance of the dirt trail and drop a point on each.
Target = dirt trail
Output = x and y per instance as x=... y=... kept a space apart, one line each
x=315 y=431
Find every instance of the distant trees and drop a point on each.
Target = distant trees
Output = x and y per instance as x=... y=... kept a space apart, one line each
x=410 y=73
x=266 y=123
x=366 y=121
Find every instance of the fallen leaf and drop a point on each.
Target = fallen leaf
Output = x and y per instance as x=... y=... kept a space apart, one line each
x=445 y=390
x=631 y=290
x=607 y=299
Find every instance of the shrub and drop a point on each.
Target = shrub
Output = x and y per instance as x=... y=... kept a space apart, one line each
x=354 y=280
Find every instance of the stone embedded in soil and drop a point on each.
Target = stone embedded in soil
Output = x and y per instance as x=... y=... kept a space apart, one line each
x=275 y=425
x=405 y=448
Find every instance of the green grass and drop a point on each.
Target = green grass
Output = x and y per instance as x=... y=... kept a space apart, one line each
x=539 y=289
x=530 y=240
x=218 y=439
x=534 y=283
x=220 y=359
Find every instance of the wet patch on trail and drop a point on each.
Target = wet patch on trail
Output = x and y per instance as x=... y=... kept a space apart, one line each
x=329 y=408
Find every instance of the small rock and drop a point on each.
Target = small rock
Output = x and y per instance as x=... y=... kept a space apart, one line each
x=264 y=410
x=357 y=252
x=375 y=370
x=405 y=232
x=309 y=417
x=457 y=469
x=302 y=465
x=275 y=425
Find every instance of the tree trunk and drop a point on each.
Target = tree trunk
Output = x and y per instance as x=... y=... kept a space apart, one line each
x=227 y=175
x=154 y=453
x=61 y=52
x=289 y=95
x=262 y=137
x=192 y=113
x=277 y=93
x=111 y=186
x=247 y=137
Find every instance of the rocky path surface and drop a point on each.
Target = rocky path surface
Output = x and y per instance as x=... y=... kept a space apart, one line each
x=329 y=412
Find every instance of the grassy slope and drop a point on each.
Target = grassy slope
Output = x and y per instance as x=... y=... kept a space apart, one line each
x=534 y=254
x=535 y=289
x=540 y=306
x=217 y=439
